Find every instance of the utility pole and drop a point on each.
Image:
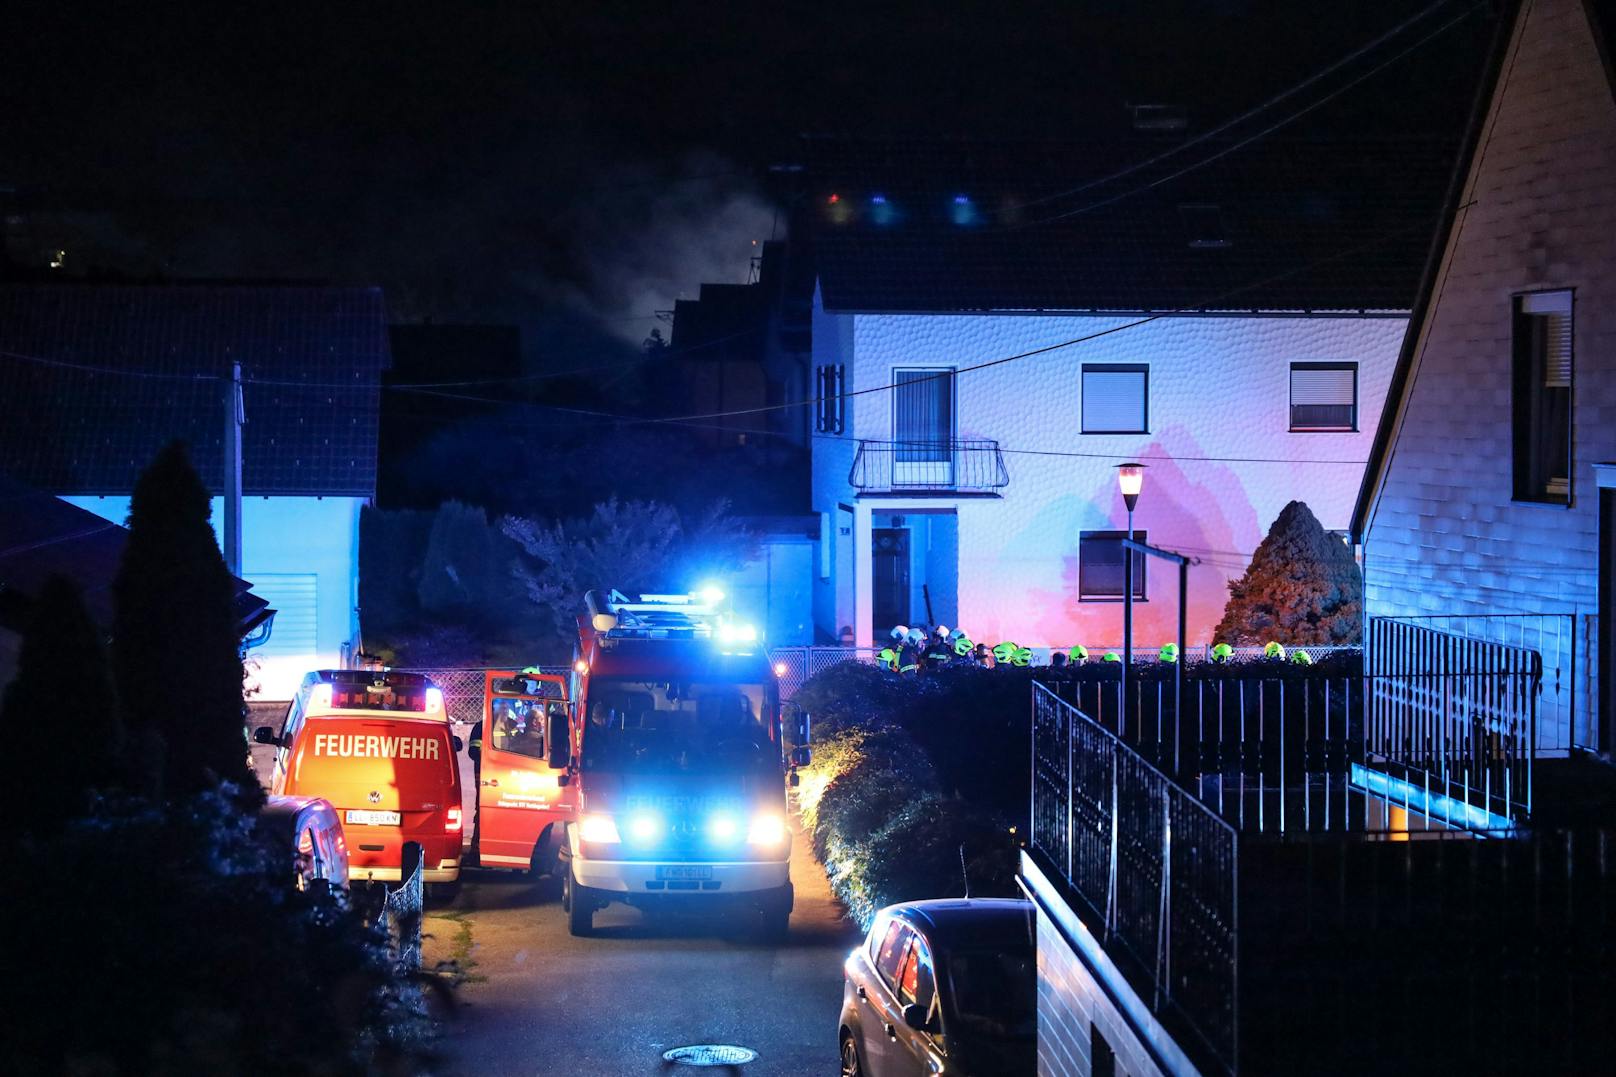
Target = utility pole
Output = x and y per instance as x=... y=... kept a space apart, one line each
x=235 y=415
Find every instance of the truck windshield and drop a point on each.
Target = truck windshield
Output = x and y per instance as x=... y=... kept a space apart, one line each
x=650 y=725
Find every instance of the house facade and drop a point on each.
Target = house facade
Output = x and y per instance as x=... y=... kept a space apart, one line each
x=100 y=377
x=1488 y=509
x=985 y=362
x=988 y=499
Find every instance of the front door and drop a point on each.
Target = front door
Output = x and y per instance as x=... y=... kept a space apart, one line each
x=889 y=579
x=518 y=792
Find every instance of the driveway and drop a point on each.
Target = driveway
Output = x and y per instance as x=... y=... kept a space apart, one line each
x=542 y=1002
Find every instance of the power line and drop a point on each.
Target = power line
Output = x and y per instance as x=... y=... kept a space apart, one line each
x=1249 y=114
x=1243 y=143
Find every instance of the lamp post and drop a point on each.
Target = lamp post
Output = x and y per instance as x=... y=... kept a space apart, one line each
x=1130 y=480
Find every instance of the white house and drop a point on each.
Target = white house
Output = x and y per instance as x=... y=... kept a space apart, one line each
x=1234 y=330
x=1489 y=509
x=98 y=377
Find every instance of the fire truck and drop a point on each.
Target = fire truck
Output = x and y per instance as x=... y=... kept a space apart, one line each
x=680 y=764
x=522 y=750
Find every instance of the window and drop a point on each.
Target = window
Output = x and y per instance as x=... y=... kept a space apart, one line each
x=922 y=414
x=518 y=726
x=1542 y=397
x=894 y=947
x=1116 y=398
x=915 y=984
x=1324 y=396
x=831 y=384
x=1099 y=566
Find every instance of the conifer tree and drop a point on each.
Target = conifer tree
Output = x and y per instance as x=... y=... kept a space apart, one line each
x=63 y=688
x=174 y=647
x=1302 y=587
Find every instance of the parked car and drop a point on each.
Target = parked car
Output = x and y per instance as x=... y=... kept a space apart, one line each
x=943 y=987
x=308 y=831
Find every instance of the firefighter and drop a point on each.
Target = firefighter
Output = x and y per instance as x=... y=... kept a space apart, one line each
x=1004 y=652
x=1057 y=659
x=1301 y=658
x=1168 y=653
x=1078 y=655
x=1222 y=652
x=1274 y=649
x=887 y=657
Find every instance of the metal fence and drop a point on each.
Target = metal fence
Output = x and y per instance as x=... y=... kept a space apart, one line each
x=972 y=466
x=1567 y=642
x=463 y=688
x=1155 y=866
x=1459 y=714
x=404 y=908
x=794 y=665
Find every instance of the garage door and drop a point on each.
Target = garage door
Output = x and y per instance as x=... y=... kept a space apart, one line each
x=292 y=596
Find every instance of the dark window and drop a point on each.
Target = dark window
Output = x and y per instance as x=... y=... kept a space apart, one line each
x=922 y=415
x=1102 y=1059
x=1542 y=392
x=894 y=947
x=1099 y=566
x=915 y=983
x=1116 y=398
x=1324 y=396
x=831 y=384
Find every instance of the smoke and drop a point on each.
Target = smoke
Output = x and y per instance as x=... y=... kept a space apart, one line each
x=648 y=236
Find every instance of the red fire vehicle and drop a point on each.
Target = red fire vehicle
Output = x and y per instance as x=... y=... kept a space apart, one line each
x=680 y=764
x=523 y=753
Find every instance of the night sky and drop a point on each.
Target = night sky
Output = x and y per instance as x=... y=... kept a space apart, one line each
x=573 y=168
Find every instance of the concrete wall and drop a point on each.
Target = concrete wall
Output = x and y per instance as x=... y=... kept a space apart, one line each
x=286 y=540
x=1444 y=535
x=1223 y=462
x=775 y=590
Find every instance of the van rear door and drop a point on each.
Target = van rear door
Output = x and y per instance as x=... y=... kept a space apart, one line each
x=390 y=779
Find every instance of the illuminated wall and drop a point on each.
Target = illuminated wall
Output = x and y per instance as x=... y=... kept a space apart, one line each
x=1223 y=461
x=302 y=554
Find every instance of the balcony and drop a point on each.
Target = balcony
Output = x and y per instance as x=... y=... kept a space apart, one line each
x=929 y=467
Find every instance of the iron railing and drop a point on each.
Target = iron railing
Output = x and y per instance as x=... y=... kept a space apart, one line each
x=946 y=466
x=1567 y=642
x=1157 y=869
x=1457 y=715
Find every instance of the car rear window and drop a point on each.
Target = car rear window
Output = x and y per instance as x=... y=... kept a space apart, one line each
x=375 y=762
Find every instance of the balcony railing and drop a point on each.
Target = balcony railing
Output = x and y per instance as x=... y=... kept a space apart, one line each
x=962 y=467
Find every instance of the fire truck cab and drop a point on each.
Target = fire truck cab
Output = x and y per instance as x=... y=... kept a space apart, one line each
x=680 y=763
x=522 y=749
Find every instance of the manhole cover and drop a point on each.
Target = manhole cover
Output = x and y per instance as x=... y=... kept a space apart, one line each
x=710 y=1054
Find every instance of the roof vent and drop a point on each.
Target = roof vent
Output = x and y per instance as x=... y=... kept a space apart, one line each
x=1203 y=223
x=1160 y=118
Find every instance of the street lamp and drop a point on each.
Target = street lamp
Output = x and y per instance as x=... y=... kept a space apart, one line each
x=1130 y=479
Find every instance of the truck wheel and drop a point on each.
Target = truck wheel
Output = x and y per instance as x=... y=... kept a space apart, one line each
x=776 y=916
x=580 y=908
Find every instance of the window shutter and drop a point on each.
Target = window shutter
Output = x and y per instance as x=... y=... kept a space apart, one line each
x=1323 y=397
x=292 y=595
x=1114 y=401
x=1555 y=310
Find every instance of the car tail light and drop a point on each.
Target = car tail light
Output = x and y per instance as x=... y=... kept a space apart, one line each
x=453 y=820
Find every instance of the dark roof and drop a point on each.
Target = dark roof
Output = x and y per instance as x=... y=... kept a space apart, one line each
x=312 y=358
x=1302 y=223
x=43 y=536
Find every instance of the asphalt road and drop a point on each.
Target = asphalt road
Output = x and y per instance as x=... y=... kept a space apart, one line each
x=543 y=1002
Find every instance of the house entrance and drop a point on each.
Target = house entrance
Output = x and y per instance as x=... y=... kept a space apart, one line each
x=889 y=571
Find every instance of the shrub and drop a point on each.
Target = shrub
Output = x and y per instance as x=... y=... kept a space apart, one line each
x=851 y=695
x=1302 y=587
x=862 y=777
x=164 y=940
x=917 y=855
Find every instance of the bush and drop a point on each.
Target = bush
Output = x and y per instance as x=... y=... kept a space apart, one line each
x=1302 y=587
x=861 y=778
x=917 y=855
x=164 y=940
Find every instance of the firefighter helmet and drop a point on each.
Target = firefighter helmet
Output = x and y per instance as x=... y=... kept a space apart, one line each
x=1168 y=653
x=1301 y=658
x=1274 y=649
x=962 y=644
x=888 y=657
x=1004 y=652
x=1112 y=656
x=1078 y=653
x=1022 y=657
x=1222 y=652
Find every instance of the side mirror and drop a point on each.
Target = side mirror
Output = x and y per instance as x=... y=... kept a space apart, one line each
x=795 y=779
x=265 y=735
x=560 y=755
x=802 y=756
x=564 y=778
x=914 y=1015
x=459 y=745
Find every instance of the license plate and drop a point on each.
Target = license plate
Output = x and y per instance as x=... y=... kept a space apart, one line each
x=374 y=818
x=684 y=871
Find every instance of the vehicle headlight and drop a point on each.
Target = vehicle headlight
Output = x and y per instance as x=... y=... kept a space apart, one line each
x=723 y=828
x=599 y=829
x=643 y=826
x=767 y=829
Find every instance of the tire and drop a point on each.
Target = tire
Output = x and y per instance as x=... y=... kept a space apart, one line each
x=579 y=905
x=850 y=1058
